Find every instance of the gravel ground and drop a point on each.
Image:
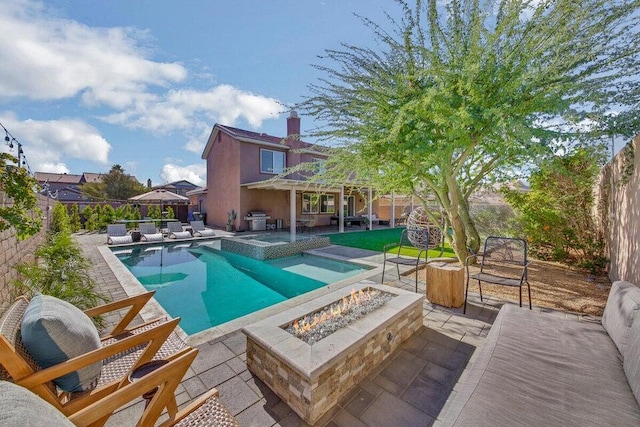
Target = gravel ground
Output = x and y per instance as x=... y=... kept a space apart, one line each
x=555 y=286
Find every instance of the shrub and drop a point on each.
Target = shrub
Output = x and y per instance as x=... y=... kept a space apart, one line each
x=59 y=219
x=557 y=211
x=89 y=223
x=74 y=219
x=60 y=271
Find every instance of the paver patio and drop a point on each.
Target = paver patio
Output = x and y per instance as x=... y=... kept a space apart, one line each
x=410 y=388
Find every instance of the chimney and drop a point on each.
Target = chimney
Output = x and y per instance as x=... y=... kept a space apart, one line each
x=293 y=126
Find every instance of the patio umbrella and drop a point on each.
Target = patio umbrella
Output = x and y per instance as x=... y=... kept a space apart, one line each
x=160 y=197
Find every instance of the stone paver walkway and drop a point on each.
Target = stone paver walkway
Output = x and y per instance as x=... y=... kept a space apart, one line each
x=411 y=388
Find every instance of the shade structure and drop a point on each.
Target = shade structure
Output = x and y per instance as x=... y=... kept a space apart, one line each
x=159 y=196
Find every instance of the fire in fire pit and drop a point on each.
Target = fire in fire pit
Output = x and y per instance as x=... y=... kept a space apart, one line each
x=322 y=323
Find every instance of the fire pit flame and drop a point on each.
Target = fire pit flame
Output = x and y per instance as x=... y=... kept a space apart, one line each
x=335 y=310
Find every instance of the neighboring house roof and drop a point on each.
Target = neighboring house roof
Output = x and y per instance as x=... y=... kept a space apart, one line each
x=58 y=177
x=183 y=183
x=197 y=191
x=69 y=194
x=91 y=177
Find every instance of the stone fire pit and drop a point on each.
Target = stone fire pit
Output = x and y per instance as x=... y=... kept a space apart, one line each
x=313 y=378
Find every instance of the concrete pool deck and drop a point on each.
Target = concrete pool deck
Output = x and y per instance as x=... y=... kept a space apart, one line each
x=410 y=388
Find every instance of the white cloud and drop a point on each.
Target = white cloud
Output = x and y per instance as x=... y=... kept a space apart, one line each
x=192 y=173
x=184 y=109
x=47 y=143
x=108 y=66
x=53 y=168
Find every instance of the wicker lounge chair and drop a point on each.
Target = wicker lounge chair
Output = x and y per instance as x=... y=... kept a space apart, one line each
x=149 y=233
x=177 y=232
x=119 y=352
x=199 y=230
x=117 y=235
x=19 y=404
x=422 y=239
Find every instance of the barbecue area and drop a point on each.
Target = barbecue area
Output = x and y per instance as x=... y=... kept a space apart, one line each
x=257 y=220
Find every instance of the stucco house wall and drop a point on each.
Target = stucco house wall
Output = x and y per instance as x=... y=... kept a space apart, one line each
x=223 y=179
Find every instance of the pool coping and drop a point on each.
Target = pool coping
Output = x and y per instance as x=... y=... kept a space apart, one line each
x=153 y=309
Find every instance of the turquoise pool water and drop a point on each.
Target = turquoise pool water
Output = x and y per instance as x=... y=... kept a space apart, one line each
x=207 y=287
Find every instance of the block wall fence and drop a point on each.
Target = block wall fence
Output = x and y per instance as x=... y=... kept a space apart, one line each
x=14 y=251
x=618 y=212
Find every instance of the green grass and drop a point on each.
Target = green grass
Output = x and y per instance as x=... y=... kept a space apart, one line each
x=375 y=240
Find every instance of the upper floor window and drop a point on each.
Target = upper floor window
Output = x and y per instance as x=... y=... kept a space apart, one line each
x=319 y=165
x=271 y=161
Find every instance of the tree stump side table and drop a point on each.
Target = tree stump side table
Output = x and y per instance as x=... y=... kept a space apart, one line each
x=445 y=283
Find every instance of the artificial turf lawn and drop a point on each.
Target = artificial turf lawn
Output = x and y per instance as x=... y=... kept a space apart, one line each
x=375 y=240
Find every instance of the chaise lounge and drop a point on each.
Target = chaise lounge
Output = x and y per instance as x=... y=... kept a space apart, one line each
x=177 y=232
x=117 y=235
x=542 y=368
x=199 y=230
x=149 y=233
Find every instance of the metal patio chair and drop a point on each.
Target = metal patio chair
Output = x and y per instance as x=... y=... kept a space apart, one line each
x=423 y=239
x=504 y=262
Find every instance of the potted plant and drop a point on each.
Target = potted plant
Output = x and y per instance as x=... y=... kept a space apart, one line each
x=366 y=223
x=231 y=218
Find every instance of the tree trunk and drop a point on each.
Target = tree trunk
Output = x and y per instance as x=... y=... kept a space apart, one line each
x=473 y=238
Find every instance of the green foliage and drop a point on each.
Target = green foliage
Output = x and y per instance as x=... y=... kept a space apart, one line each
x=21 y=210
x=154 y=212
x=462 y=93
x=557 y=212
x=170 y=213
x=135 y=214
x=59 y=219
x=74 y=219
x=495 y=220
x=90 y=222
x=61 y=271
x=115 y=185
x=107 y=216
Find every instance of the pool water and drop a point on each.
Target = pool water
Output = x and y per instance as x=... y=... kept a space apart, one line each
x=207 y=287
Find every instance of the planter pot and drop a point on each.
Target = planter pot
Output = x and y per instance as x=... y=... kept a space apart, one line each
x=229 y=227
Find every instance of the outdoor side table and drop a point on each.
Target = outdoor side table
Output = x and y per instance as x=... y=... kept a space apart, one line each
x=445 y=283
x=147 y=368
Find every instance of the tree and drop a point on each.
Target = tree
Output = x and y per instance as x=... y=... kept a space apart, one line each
x=20 y=209
x=453 y=99
x=116 y=185
x=89 y=221
x=74 y=218
x=60 y=221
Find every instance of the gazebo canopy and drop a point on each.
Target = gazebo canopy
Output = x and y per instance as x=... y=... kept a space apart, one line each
x=160 y=196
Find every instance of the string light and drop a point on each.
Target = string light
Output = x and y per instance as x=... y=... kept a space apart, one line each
x=11 y=143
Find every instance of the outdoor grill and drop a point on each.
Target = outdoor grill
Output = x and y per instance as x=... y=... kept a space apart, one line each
x=257 y=220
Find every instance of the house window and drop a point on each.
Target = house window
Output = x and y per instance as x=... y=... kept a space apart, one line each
x=271 y=161
x=319 y=165
x=310 y=203
x=327 y=203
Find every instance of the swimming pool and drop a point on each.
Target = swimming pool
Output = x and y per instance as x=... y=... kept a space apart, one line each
x=207 y=287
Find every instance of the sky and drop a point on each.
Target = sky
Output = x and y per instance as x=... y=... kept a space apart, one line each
x=86 y=84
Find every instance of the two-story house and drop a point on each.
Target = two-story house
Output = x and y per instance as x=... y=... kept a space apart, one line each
x=241 y=171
